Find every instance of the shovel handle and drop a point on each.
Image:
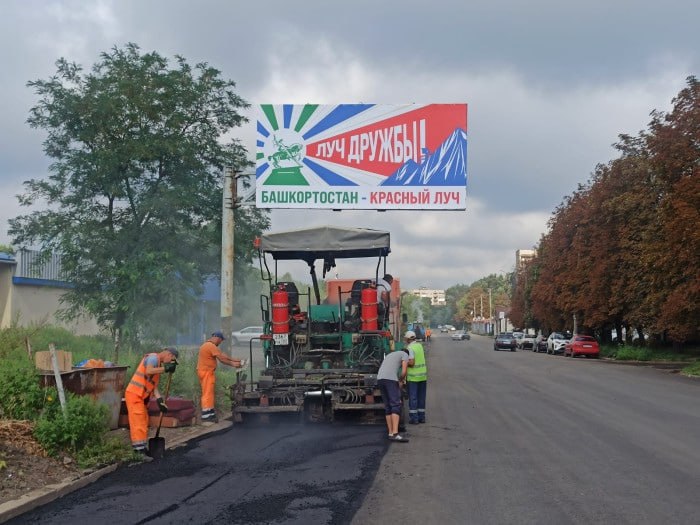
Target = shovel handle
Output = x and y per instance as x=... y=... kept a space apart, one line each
x=167 y=391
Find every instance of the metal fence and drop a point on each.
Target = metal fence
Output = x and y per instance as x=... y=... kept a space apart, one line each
x=31 y=266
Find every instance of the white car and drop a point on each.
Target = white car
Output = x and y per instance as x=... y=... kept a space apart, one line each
x=556 y=343
x=527 y=342
x=244 y=335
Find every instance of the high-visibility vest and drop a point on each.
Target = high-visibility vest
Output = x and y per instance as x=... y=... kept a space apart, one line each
x=417 y=372
x=142 y=384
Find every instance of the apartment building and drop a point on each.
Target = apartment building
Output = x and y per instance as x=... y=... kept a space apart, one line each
x=437 y=297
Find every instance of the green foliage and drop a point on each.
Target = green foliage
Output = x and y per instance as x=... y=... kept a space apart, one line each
x=135 y=184
x=21 y=394
x=84 y=424
x=692 y=370
x=106 y=452
x=6 y=248
x=626 y=353
x=81 y=347
x=622 y=249
x=416 y=308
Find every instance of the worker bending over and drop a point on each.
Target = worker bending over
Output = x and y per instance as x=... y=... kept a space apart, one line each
x=143 y=384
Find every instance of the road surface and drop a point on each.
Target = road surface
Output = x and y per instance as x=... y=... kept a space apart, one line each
x=517 y=438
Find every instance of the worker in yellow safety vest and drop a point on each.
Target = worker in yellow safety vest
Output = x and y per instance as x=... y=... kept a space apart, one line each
x=416 y=379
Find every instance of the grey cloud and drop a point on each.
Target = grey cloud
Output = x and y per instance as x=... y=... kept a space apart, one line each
x=550 y=85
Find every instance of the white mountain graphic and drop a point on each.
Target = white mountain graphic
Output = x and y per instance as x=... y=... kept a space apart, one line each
x=447 y=166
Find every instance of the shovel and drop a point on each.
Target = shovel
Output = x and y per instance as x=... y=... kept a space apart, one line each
x=156 y=445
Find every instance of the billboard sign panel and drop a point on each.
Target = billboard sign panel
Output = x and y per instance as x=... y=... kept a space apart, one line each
x=362 y=156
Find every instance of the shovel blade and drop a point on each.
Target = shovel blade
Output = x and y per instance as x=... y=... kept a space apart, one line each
x=156 y=447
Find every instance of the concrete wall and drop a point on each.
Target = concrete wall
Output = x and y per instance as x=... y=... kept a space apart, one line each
x=29 y=304
x=6 y=271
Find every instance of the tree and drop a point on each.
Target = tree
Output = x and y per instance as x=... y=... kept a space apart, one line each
x=416 y=308
x=674 y=155
x=135 y=186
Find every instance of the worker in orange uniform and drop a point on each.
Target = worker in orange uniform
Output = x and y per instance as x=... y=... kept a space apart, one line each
x=428 y=333
x=143 y=384
x=209 y=353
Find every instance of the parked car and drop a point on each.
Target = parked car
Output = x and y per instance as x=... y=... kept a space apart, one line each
x=527 y=342
x=244 y=335
x=582 y=345
x=518 y=337
x=460 y=335
x=556 y=343
x=447 y=328
x=505 y=341
x=540 y=344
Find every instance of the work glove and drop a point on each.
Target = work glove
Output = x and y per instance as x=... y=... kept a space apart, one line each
x=170 y=367
x=161 y=405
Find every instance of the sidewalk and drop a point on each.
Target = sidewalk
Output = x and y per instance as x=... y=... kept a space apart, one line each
x=44 y=495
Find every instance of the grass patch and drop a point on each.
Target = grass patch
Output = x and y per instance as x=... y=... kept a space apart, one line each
x=692 y=370
x=649 y=353
x=107 y=452
x=628 y=353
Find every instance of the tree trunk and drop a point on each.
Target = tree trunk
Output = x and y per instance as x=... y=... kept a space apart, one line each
x=618 y=331
x=117 y=343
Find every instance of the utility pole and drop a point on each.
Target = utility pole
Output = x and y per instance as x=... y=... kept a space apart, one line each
x=490 y=313
x=227 y=258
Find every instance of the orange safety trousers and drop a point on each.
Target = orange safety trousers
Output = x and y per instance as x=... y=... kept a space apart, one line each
x=207 y=379
x=138 y=420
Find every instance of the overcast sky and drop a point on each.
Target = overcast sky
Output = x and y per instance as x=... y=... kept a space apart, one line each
x=549 y=84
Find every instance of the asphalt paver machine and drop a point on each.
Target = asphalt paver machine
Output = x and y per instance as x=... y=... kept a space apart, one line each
x=321 y=356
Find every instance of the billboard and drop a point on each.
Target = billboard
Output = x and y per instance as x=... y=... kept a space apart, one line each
x=362 y=156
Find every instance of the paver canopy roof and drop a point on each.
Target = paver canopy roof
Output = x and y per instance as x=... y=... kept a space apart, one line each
x=326 y=242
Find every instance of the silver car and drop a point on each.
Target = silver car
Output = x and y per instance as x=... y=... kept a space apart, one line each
x=460 y=335
x=244 y=335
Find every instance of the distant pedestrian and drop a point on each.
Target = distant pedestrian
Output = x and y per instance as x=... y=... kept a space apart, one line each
x=417 y=379
x=209 y=354
x=428 y=333
x=144 y=384
x=392 y=373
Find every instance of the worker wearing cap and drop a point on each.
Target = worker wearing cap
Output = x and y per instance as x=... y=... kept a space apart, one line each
x=416 y=379
x=209 y=354
x=143 y=384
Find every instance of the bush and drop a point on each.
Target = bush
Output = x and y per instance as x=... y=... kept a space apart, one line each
x=106 y=452
x=21 y=394
x=85 y=424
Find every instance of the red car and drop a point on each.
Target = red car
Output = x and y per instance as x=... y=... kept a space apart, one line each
x=582 y=345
